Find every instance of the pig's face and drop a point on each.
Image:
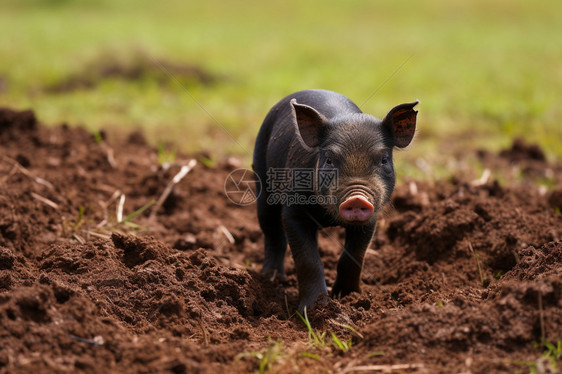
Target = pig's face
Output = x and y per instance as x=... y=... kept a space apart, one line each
x=359 y=148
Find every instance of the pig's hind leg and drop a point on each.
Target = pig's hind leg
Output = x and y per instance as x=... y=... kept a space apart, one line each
x=275 y=242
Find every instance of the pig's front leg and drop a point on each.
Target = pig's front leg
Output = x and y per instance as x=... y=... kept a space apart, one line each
x=357 y=239
x=302 y=235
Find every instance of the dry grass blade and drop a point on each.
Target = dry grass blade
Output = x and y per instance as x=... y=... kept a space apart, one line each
x=98 y=235
x=347 y=327
x=110 y=155
x=483 y=280
x=113 y=197
x=227 y=233
x=104 y=205
x=483 y=178
x=119 y=213
x=106 y=226
x=9 y=174
x=413 y=188
x=27 y=173
x=45 y=201
x=79 y=239
x=273 y=275
x=177 y=178
x=97 y=340
x=204 y=331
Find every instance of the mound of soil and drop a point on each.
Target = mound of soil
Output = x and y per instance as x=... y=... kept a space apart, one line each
x=137 y=67
x=461 y=276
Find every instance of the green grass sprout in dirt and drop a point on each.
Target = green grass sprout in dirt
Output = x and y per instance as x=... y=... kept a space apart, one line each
x=485 y=71
x=318 y=339
x=267 y=357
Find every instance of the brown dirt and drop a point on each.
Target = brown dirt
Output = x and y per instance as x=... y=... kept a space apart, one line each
x=461 y=277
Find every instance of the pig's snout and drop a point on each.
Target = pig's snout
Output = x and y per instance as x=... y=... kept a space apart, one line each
x=356 y=209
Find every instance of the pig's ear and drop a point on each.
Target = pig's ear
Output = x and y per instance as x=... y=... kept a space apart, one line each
x=309 y=124
x=401 y=120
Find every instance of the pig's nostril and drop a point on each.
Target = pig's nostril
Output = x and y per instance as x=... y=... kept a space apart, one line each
x=356 y=209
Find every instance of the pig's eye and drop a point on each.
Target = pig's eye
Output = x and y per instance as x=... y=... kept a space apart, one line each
x=384 y=160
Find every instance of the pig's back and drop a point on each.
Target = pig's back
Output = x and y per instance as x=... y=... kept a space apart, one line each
x=328 y=103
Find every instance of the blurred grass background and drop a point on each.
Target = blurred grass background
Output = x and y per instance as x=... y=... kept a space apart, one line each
x=484 y=71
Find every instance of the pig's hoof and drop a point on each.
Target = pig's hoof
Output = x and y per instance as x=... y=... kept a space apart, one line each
x=339 y=291
x=310 y=303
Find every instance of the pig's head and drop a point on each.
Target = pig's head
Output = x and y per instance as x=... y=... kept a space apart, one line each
x=360 y=147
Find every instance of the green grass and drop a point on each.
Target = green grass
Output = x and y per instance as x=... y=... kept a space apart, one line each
x=266 y=357
x=548 y=362
x=553 y=352
x=318 y=339
x=484 y=71
x=81 y=228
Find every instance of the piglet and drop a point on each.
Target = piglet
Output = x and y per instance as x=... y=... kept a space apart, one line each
x=322 y=162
